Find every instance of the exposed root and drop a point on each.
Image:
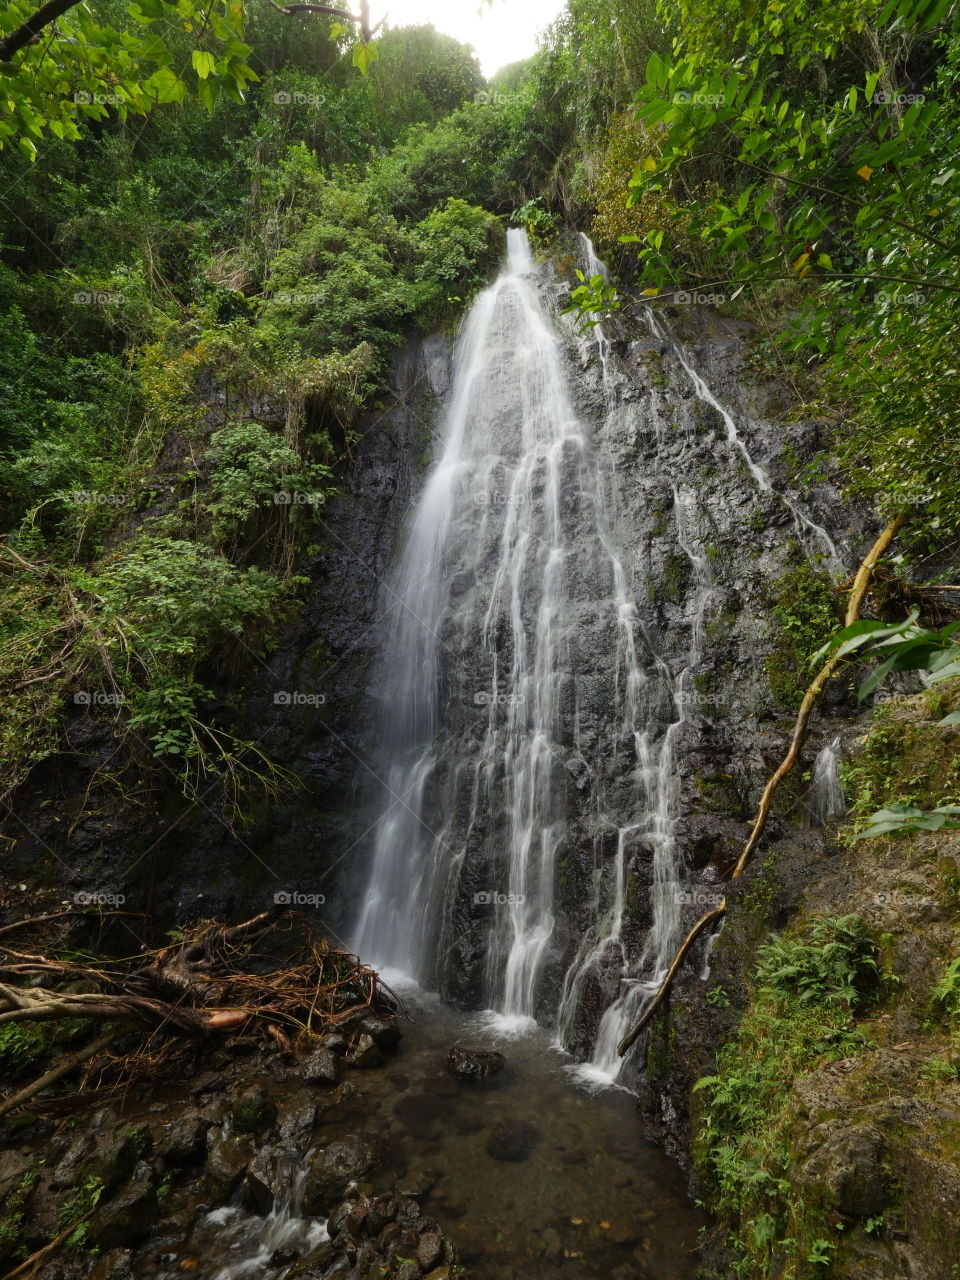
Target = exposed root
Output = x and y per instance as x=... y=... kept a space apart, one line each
x=215 y=980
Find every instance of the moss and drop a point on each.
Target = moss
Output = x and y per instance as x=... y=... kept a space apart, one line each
x=807 y=989
x=806 y=610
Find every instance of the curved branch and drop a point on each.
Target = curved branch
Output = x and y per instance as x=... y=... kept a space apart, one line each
x=48 y=13
x=715 y=913
x=857 y=592
x=28 y=31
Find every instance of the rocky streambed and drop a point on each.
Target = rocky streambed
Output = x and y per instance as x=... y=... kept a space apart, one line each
x=368 y=1158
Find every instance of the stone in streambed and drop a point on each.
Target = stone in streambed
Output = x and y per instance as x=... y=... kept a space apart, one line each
x=334 y=1167
x=512 y=1142
x=387 y=1034
x=624 y=1231
x=365 y=1053
x=474 y=1064
x=320 y=1068
x=430 y=1250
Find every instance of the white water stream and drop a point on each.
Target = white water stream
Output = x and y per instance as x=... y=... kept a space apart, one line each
x=826 y=799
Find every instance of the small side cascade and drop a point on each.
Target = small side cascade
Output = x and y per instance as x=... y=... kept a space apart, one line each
x=813 y=534
x=826 y=799
x=249 y=1246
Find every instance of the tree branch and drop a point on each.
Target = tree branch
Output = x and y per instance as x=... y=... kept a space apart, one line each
x=28 y=31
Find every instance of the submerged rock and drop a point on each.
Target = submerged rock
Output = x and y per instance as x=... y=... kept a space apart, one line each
x=512 y=1142
x=474 y=1064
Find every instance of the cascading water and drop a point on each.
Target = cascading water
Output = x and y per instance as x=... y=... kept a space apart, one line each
x=509 y=549
x=826 y=799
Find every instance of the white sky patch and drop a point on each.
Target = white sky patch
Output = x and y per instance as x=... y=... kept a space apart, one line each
x=502 y=32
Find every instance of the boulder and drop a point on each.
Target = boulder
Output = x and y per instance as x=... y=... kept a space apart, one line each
x=474 y=1064
x=129 y=1216
x=332 y=1169
x=227 y=1161
x=365 y=1053
x=253 y=1111
x=184 y=1140
x=387 y=1034
x=847 y=1171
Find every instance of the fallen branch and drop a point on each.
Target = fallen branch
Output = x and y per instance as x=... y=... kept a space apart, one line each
x=858 y=590
x=47 y=1248
x=57 y=1073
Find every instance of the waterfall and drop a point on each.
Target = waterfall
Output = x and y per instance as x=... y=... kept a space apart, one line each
x=509 y=598
x=826 y=799
x=527 y=715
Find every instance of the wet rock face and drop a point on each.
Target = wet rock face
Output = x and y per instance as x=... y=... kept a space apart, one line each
x=701 y=542
x=847 y=1170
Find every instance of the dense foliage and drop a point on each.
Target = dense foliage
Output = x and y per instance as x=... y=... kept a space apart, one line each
x=198 y=295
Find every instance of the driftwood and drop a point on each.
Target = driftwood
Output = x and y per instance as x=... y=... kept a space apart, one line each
x=213 y=981
x=858 y=590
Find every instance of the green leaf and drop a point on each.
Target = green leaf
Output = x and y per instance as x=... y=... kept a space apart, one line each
x=203 y=63
x=364 y=55
x=150 y=9
x=165 y=86
x=952 y=718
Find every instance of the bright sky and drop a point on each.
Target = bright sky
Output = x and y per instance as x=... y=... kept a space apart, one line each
x=501 y=32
